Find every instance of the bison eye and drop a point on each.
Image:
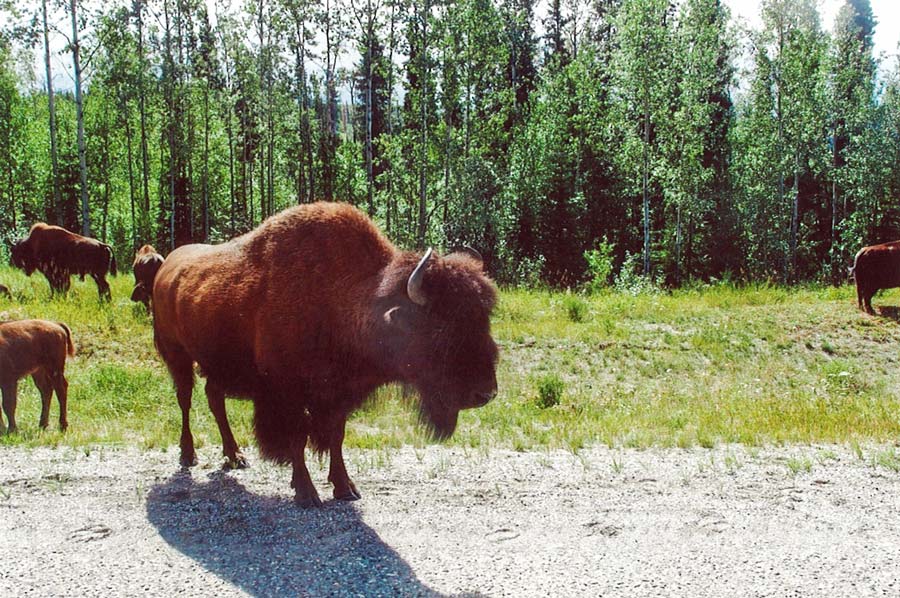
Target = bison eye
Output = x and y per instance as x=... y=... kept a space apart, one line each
x=399 y=318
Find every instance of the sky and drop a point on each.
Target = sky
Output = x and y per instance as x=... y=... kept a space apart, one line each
x=887 y=15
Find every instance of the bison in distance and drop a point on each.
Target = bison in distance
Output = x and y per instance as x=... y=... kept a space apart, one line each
x=875 y=268
x=306 y=316
x=58 y=254
x=146 y=264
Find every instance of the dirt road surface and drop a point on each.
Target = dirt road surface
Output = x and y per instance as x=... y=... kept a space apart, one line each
x=730 y=521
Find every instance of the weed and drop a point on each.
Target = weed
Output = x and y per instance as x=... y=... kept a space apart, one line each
x=576 y=308
x=797 y=465
x=550 y=389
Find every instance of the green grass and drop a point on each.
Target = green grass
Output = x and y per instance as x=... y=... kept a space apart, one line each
x=699 y=367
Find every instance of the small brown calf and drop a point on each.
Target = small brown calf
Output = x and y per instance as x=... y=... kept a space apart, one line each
x=37 y=348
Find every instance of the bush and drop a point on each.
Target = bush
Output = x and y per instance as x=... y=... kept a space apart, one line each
x=576 y=308
x=632 y=281
x=600 y=265
x=550 y=390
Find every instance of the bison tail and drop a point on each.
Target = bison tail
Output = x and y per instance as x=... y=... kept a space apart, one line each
x=70 y=346
x=112 y=261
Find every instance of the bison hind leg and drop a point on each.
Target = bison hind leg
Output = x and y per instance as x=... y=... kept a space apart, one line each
x=181 y=368
x=215 y=397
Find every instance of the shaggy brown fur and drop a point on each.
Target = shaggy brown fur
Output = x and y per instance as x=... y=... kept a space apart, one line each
x=58 y=254
x=37 y=348
x=146 y=264
x=310 y=313
x=875 y=267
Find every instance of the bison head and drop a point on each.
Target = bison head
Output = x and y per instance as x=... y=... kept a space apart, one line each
x=22 y=257
x=436 y=318
x=140 y=294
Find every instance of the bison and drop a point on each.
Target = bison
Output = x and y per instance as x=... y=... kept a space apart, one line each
x=146 y=264
x=306 y=316
x=58 y=254
x=875 y=267
x=37 y=348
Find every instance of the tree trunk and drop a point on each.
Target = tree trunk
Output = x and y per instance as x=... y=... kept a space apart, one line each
x=145 y=154
x=79 y=118
x=645 y=183
x=54 y=159
x=423 y=122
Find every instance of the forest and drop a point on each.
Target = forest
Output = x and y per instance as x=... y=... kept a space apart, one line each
x=571 y=142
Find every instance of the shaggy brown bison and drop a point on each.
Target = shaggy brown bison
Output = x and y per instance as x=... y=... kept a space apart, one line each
x=310 y=313
x=58 y=254
x=875 y=267
x=37 y=348
x=146 y=264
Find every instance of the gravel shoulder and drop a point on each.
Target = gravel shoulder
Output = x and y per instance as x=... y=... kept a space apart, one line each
x=792 y=521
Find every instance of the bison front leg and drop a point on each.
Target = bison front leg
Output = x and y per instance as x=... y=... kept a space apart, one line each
x=9 y=405
x=215 y=397
x=344 y=489
x=305 y=494
x=102 y=286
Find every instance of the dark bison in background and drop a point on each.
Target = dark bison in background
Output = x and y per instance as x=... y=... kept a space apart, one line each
x=875 y=267
x=310 y=313
x=146 y=264
x=58 y=254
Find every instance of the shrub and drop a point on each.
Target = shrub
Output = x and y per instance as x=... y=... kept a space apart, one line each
x=550 y=390
x=632 y=281
x=600 y=265
x=576 y=308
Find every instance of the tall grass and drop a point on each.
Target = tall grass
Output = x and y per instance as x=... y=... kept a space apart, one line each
x=753 y=365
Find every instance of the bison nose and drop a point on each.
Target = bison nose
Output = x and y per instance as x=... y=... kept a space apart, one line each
x=483 y=398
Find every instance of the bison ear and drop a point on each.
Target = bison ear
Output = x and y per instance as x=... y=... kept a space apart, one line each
x=398 y=318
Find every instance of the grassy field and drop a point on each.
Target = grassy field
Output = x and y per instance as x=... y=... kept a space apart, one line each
x=752 y=365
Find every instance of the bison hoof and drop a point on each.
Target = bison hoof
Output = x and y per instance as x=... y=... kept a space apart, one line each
x=188 y=460
x=238 y=461
x=307 y=502
x=348 y=495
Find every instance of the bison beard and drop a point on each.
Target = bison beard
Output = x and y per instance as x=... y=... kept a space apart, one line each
x=306 y=316
x=58 y=254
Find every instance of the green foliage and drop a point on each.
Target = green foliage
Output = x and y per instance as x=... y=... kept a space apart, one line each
x=600 y=265
x=576 y=308
x=550 y=389
x=616 y=135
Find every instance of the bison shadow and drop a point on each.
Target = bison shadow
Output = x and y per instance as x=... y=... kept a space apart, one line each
x=890 y=312
x=268 y=547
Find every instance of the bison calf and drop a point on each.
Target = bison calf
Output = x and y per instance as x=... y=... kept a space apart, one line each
x=146 y=264
x=875 y=267
x=37 y=348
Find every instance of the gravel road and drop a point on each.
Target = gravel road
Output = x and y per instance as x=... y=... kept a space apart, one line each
x=796 y=521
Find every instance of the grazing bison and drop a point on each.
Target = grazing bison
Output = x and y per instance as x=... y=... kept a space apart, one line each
x=875 y=267
x=310 y=313
x=58 y=254
x=146 y=265
x=37 y=348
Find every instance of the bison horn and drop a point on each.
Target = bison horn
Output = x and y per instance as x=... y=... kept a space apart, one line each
x=414 y=284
